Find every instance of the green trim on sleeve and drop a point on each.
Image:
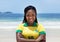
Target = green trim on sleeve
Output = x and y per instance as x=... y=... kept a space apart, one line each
x=19 y=31
x=42 y=32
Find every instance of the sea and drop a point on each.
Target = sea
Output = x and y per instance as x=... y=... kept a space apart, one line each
x=19 y=17
x=12 y=20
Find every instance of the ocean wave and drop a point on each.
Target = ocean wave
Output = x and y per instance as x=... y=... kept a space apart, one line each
x=46 y=24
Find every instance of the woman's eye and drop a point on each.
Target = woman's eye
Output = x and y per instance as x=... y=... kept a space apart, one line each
x=33 y=15
x=30 y=15
x=27 y=15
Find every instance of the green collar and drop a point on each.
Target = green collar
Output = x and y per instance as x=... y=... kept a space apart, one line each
x=26 y=24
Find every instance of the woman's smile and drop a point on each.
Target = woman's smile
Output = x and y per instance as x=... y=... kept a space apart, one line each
x=31 y=20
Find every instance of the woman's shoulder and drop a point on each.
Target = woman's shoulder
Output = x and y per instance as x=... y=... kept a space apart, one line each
x=40 y=27
x=20 y=26
x=39 y=24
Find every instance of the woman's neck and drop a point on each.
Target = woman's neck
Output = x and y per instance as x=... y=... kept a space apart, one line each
x=30 y=24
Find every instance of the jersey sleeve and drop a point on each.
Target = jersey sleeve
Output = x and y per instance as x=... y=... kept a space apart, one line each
x=19 y=28
x=41 y=29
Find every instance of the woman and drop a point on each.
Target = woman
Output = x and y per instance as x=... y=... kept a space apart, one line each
x=30 y=30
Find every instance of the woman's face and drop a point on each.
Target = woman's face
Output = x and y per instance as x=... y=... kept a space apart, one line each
x=30 y=16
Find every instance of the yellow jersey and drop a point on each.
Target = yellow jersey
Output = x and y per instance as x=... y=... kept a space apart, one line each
x=31 y=32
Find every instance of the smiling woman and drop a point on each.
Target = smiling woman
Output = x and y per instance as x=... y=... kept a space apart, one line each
x=30 y=30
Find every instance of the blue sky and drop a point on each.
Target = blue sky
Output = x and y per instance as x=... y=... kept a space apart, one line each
x=42 y=6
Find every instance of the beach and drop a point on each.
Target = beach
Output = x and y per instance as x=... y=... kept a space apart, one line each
x=8 y=31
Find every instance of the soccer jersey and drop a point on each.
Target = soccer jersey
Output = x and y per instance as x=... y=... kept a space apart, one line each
x=31 y=32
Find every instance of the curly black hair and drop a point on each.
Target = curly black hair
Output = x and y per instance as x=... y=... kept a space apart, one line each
x=25 y=11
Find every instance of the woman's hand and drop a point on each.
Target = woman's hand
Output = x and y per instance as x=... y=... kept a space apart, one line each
x=41 y=38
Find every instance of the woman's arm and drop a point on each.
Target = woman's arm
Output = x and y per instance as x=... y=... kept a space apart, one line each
x=41 y=38
x=20 y=38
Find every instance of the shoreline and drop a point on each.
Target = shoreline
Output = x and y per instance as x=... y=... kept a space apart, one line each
x=46 y=24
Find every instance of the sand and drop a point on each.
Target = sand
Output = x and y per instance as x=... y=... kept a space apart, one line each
x=9 y=35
